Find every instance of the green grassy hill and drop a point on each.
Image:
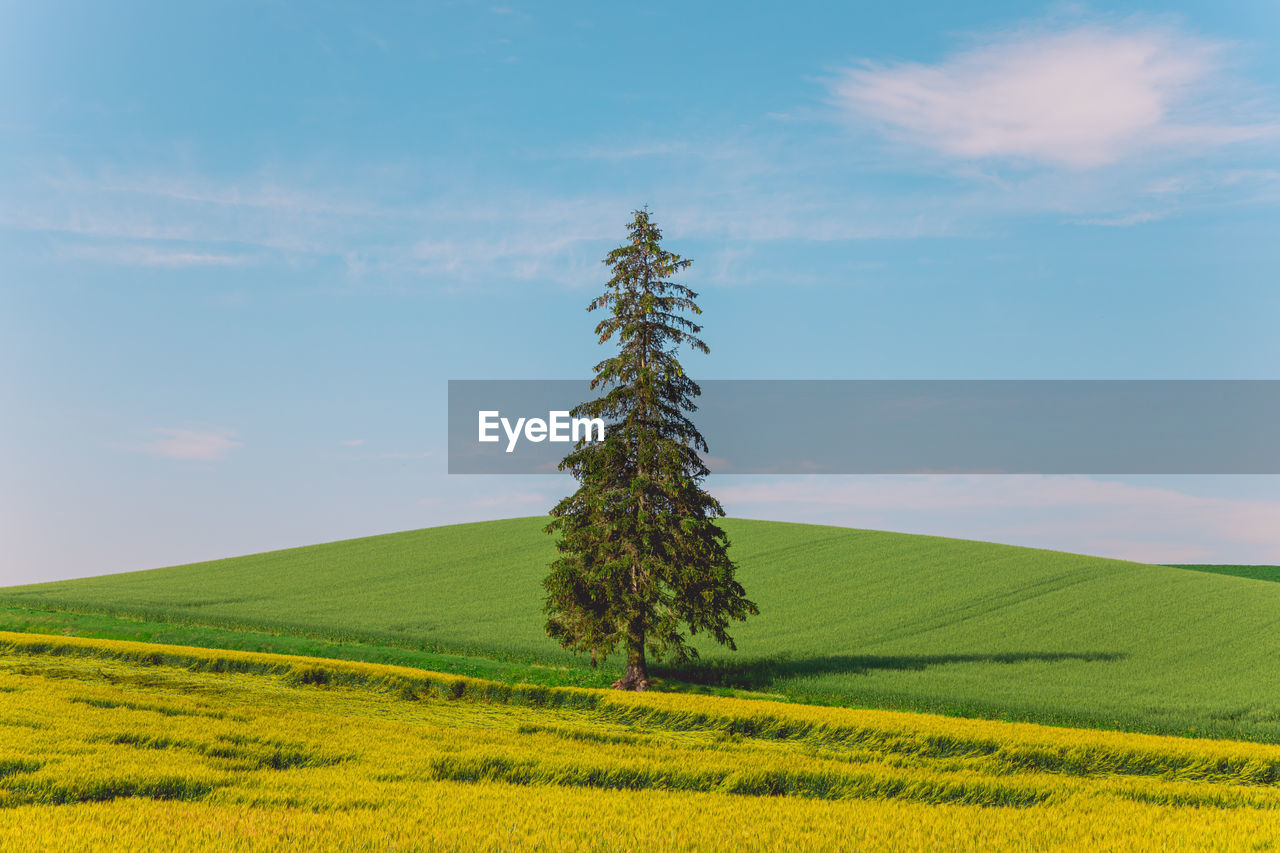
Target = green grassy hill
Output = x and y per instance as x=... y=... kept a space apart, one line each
x=847 y=616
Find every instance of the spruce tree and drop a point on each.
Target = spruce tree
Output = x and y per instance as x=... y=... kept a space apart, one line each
x=640 y=555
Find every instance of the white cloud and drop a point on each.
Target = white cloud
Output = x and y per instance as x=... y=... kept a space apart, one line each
x=1080 y=98
x=740 y=196
x=449 y=235
x=1125 y=220
x=352 y=442
x=153 y=256
x=163 y=221
x=1070 y=513
x=189 y=444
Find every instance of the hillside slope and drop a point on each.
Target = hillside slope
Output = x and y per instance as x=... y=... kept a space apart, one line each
x=847 y=616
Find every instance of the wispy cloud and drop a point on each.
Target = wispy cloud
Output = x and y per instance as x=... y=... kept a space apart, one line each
x=1124 y=220
x=636 y=151
x=186 y=220
x=1083 y=97
x=524 y=239
x=173 y=443
x=1072 y=513
x=742 y=196
x=155 y=256
x=265 y=195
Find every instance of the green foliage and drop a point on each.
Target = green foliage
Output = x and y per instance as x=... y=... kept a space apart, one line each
x=946 y=625
x=640 y=555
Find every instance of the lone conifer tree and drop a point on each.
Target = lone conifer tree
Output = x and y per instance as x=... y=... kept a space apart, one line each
x=641 y=556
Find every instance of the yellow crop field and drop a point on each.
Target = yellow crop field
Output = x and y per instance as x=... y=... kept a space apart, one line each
x=113 y=745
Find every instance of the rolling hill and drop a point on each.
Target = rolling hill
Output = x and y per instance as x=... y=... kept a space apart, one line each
x=850 y=617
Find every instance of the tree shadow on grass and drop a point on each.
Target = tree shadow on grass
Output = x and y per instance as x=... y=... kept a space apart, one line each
x=763 y=673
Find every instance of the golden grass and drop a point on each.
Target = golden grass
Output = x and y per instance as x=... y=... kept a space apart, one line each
x=113 y=745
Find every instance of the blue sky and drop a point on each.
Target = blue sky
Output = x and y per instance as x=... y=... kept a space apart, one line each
x=243 y=247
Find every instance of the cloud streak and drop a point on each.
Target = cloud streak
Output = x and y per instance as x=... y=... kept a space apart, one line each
x=190 y=445
x=156 y=256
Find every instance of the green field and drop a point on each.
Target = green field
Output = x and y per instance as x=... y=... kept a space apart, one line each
x=1261 y=573
x=848 y=617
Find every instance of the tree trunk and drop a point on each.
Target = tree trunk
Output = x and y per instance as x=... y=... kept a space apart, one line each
x=637 y=675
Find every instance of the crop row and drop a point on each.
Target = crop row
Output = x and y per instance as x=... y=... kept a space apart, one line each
x=169 y=746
